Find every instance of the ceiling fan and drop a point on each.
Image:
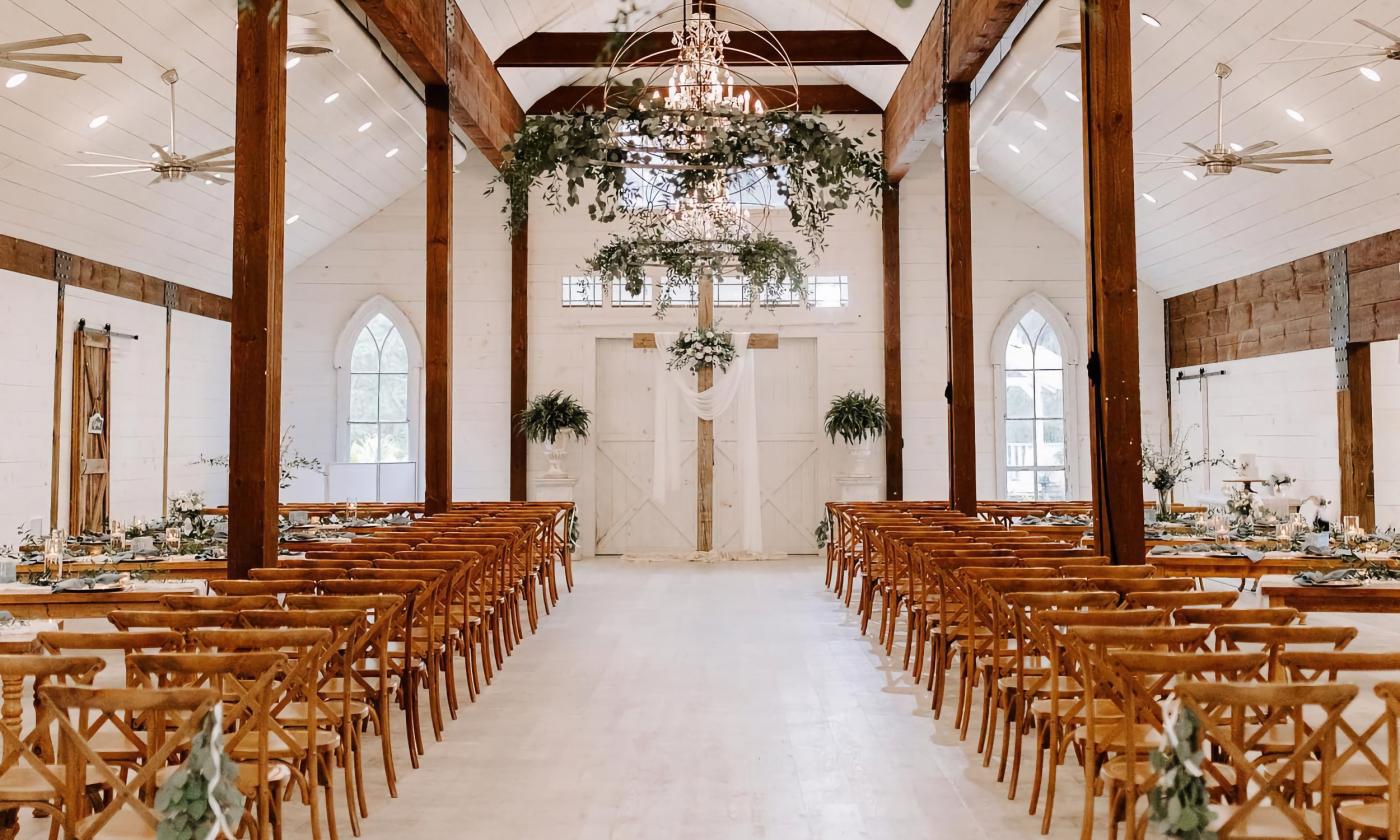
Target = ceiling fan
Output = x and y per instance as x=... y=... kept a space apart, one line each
x=1223 y=159
x=1366 y=56
x=16 y=55
x=165 y=162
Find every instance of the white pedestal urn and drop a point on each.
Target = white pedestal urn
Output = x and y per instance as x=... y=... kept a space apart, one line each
x=554 y=488
x=859 y=488
x=860 y=458
x=554 y=454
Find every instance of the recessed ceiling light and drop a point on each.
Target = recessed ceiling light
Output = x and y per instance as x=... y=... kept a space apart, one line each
x=1236 y=147
x=1293 y=115
x=364 y=126
x=1148 y=198
x=1013 y=147
x=391 y=152
x=333 y=97
x=292 y=219
x=1190 y=176
x=293 y=61
x=97 y=121
x=208 y=182
x=16 y=80
x=1150 y=20
x=1370 y=74
x=1071 y=96
x=1040 y=125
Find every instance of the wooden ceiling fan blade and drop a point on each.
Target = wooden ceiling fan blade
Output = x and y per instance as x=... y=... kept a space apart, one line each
x=1205 y=152
x=211 y=155
x=1324 y=43
x=1348 y=68
x=104 y=165
x=1301 y=162
x=223 y=182
x=1394 y=39
x=161 y=151
x=125 y=172
x=79 y=57
x=1256 y=147
x=1269 y=169
x=114 y=157
x=25 y=67
x=1303 y=153
x=38 y=43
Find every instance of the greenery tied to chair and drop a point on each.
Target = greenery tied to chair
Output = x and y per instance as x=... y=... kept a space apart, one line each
x=1178 y=805
x=856 y=416
x=201 y=800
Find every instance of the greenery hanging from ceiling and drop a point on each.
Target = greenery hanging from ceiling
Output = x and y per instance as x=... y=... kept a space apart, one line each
x=816 y=167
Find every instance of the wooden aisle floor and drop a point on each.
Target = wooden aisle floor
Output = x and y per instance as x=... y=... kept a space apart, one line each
x=672 y=701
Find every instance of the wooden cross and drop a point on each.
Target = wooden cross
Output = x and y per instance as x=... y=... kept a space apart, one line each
x=705 y=429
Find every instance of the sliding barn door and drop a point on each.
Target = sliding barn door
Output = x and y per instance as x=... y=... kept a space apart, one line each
x=89 y=497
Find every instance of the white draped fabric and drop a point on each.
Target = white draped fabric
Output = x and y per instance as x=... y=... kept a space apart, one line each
x=733 y=388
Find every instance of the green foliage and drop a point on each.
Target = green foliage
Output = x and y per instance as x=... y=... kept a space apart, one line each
x=818 y=170
x=855 y=416
x=291 y=463
x=1178 y=805
x=698 y=348
x=768 y=265
x=545 y=416
x=183 y=801
x=823 y=532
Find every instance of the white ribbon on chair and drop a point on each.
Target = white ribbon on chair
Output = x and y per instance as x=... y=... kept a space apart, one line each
x=734 y=387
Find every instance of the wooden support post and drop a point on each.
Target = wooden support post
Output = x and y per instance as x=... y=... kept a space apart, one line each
x=957 y=202
x=705 y=429
x=437 y=439
x=255 y=378
x=1355 y=438
x=57 y=452
x=894 y=380
x=519 y=354
x=165 y=436
x=1115 y=418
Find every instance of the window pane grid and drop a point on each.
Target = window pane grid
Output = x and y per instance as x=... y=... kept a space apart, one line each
x=581 y=291
x=378 y=413
x=1034 y=419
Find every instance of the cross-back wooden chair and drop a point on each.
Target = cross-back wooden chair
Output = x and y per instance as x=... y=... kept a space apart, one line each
x=1218 y=616
x=1275 y=640
x=1259 y=793
x=184 y=622
x=275 y=588
x=297 y=574
x=429 y=636
x=1379 y=820
x=229 y=603
x=1176 y=600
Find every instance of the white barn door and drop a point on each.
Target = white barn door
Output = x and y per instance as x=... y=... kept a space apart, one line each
x=630 y=521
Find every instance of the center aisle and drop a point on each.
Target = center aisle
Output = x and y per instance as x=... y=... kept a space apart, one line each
x=712 y=701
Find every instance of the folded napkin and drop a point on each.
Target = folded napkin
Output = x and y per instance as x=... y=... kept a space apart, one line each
x=1321 y=578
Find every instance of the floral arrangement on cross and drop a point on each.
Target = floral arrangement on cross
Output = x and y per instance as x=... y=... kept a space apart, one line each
x=698 y=348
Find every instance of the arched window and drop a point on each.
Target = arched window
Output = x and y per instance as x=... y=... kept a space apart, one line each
x=378 y=432
x=1033 y=352
x=378 y=362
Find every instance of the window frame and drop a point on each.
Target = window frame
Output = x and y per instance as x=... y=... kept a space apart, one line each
x=345 y=346
x=1069 y=367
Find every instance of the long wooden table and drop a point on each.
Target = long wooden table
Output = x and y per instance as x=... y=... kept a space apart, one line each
x=24 y=601
x=153 y=569
x=1378 y=597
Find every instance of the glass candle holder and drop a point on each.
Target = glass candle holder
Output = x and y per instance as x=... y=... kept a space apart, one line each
x=352 y=510
x=172 y=539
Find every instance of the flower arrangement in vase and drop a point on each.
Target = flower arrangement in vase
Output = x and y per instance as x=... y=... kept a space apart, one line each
x=546 y=417
x=1165 y=468
x=857 y=418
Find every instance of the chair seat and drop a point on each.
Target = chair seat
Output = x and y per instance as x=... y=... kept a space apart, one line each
x=1358 y=777
x=23 y=783
x=1370 y=818
x=1069 y=686
x=1102 y=708
x=1268 y=822
x=247 y=775
x=1116 y=769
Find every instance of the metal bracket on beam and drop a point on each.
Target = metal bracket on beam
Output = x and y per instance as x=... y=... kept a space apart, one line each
x=449 y=7
x=63 y=266
x=172 y=295
x=1339 y=300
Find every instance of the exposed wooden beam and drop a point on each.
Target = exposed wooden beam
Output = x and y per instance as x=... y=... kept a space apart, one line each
x=437 y=437
x=911 y=117
x=1115 y=417
x=1356 y=445
x=24 y=257
x=894 y=376
x=519 y=354
x=803 y=47
x=439 y=46
x=255 y=377
x=831 y=99
x=957 y=209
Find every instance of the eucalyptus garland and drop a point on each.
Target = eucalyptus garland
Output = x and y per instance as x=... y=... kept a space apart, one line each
x=769 y=266
x=698 y=348
x=1178 y=804
x=817 y=168
x=201 y=799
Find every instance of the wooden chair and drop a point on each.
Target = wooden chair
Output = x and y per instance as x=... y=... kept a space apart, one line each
x=311 y=574
x=1217 y=616
x=230 y=603
x=1261 y=790
x=1177 y=600
x=1379 y=820
x=170 y=719
x=184 y=622
x=274 y=587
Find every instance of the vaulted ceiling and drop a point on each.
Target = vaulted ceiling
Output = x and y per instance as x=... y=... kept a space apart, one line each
x=1197 y=233
x=337 y=176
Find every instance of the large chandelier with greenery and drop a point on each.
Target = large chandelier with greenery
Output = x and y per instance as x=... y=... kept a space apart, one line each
x=692 y=154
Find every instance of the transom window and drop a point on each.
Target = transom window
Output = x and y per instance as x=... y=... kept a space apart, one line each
x=378 y=418
x=1035 y=412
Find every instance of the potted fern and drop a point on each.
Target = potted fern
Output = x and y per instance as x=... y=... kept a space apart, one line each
x=857 y=418
x=546 y=417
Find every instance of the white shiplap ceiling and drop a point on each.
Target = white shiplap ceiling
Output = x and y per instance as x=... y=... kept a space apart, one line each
x=1202 y=232
x=336 y=175
x=502 y=23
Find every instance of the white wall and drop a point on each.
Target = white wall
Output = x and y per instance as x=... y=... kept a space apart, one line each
x=1385 y=419
x=199 y=401
x=386 y=255
x=1015 y=252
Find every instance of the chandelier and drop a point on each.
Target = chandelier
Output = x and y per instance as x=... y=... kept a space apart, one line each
x=700 y=79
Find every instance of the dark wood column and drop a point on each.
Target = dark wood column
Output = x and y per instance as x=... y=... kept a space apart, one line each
x=957 y=206
x=1355 y=438
x=519 y=353
x=1115 y=418
x=437 y=443
x=255 y=377
x=894 y=379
